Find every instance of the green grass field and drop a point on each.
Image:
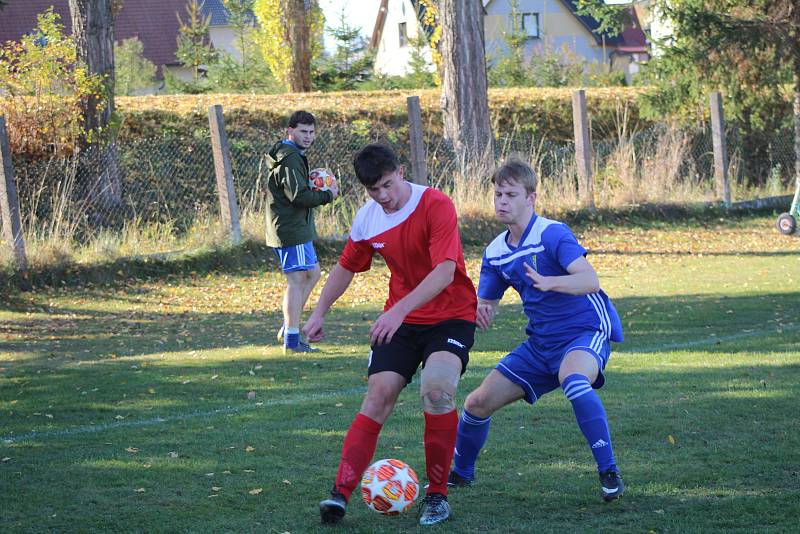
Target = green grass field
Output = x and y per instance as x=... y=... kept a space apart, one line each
x=126 y=407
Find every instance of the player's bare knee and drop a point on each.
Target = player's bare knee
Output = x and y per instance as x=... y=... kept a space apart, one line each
x=438 y=401
x=476 y=404
x=377 y=406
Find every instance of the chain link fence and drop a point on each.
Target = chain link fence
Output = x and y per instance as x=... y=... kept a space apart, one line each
x=170 y=182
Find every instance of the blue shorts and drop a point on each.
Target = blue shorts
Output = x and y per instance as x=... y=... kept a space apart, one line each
x=534 y=366
x=297 y=257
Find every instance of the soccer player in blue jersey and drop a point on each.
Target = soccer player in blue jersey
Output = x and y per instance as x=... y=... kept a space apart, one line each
x=571 y=322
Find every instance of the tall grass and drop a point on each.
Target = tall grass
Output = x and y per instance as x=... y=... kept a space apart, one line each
x=633 y=168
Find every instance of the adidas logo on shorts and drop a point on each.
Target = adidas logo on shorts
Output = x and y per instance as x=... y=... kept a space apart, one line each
x=455 y=342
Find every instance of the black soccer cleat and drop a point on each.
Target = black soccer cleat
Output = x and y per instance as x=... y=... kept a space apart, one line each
x=611 y=485
x=332 y=509
x=434 y=509
x=454 y=480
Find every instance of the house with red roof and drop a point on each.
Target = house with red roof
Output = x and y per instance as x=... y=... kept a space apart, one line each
x=154 y=22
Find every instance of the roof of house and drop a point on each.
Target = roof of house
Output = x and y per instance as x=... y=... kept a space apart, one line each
x=591 y=24
x=217 y=13
x=633 y=36
x=154 y=22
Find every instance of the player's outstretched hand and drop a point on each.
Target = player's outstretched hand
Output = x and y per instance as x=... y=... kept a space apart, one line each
x=542 y=283
x=485 y=316
x=385 y=326
x=313 y=328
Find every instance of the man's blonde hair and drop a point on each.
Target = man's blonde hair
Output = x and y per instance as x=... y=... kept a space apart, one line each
x=514 y=170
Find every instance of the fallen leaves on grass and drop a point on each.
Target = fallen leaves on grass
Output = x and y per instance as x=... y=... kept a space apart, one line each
x=256 y=491
x=249 y=449
x=132 y=450
x=140 y=490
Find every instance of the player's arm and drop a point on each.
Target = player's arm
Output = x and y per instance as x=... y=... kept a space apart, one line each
x=387 y=324
x=487 y=309
x=581 y=280
x=337 y=283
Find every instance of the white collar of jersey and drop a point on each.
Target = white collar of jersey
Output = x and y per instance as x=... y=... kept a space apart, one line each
x=371 y=220
x=499 y=250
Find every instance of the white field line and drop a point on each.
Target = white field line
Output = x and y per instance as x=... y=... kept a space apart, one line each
x=712 y=340
x=88 y=429
x=227 y=410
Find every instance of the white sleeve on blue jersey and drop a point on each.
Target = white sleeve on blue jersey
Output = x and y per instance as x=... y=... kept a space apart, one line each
x=491 y=284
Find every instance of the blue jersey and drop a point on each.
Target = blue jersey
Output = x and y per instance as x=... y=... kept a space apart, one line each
x=549 y=247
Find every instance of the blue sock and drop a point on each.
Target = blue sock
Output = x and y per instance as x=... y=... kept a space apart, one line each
x=291 y=337
x=591 y=418
x=471 y=437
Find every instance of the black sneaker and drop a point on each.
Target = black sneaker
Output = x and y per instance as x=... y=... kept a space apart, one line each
x=301 y=347
x=454 y=480
x=332 y=510
x=435 y=509
x=611 y=485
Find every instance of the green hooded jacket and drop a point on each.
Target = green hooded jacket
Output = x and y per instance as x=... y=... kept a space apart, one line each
x=290 y=201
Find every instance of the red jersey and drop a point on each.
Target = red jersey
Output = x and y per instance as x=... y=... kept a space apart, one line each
x=412 y=241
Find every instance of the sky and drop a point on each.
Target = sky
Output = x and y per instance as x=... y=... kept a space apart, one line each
x=360 y=13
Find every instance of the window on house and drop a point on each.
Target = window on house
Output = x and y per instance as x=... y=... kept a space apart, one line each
x=529 y=24
x=403 y=31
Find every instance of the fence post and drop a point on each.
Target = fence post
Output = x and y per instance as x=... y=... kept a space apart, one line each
x=583 y=149
x=419 y=164
x=229 y=209
x=723 y=185
x=9 y=202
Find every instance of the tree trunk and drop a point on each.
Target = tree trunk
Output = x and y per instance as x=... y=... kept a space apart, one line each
x=298 y=22
x=465 y=102
x=93 y=30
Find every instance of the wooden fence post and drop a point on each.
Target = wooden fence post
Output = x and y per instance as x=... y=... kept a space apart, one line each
x=723 y=185
x=229 y=208
x=419 y=164
x=583 y=149
x=9 y=202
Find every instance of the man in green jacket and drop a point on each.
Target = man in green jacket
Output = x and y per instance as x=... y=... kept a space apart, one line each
x=290 y=222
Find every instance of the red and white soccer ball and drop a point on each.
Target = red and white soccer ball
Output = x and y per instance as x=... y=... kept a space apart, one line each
x=321 y=179
x=389 y=487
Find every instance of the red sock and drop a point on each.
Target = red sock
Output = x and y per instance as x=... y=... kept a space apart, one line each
x=357 y=450
x=440 y=443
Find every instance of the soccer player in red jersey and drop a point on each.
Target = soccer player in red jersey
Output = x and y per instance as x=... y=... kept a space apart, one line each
x=428 y=319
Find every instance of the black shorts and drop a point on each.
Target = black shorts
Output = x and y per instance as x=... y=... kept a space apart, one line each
x=413 y=343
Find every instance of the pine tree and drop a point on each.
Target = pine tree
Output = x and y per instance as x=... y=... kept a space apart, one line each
x=351 y=63
x=248 y=72
x=194 y=43
x=133 y=70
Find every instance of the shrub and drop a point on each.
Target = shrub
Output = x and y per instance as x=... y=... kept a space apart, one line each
x=45 y=84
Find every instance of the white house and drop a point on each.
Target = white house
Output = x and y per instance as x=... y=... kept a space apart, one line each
x=551 y=25
x=397 y=24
